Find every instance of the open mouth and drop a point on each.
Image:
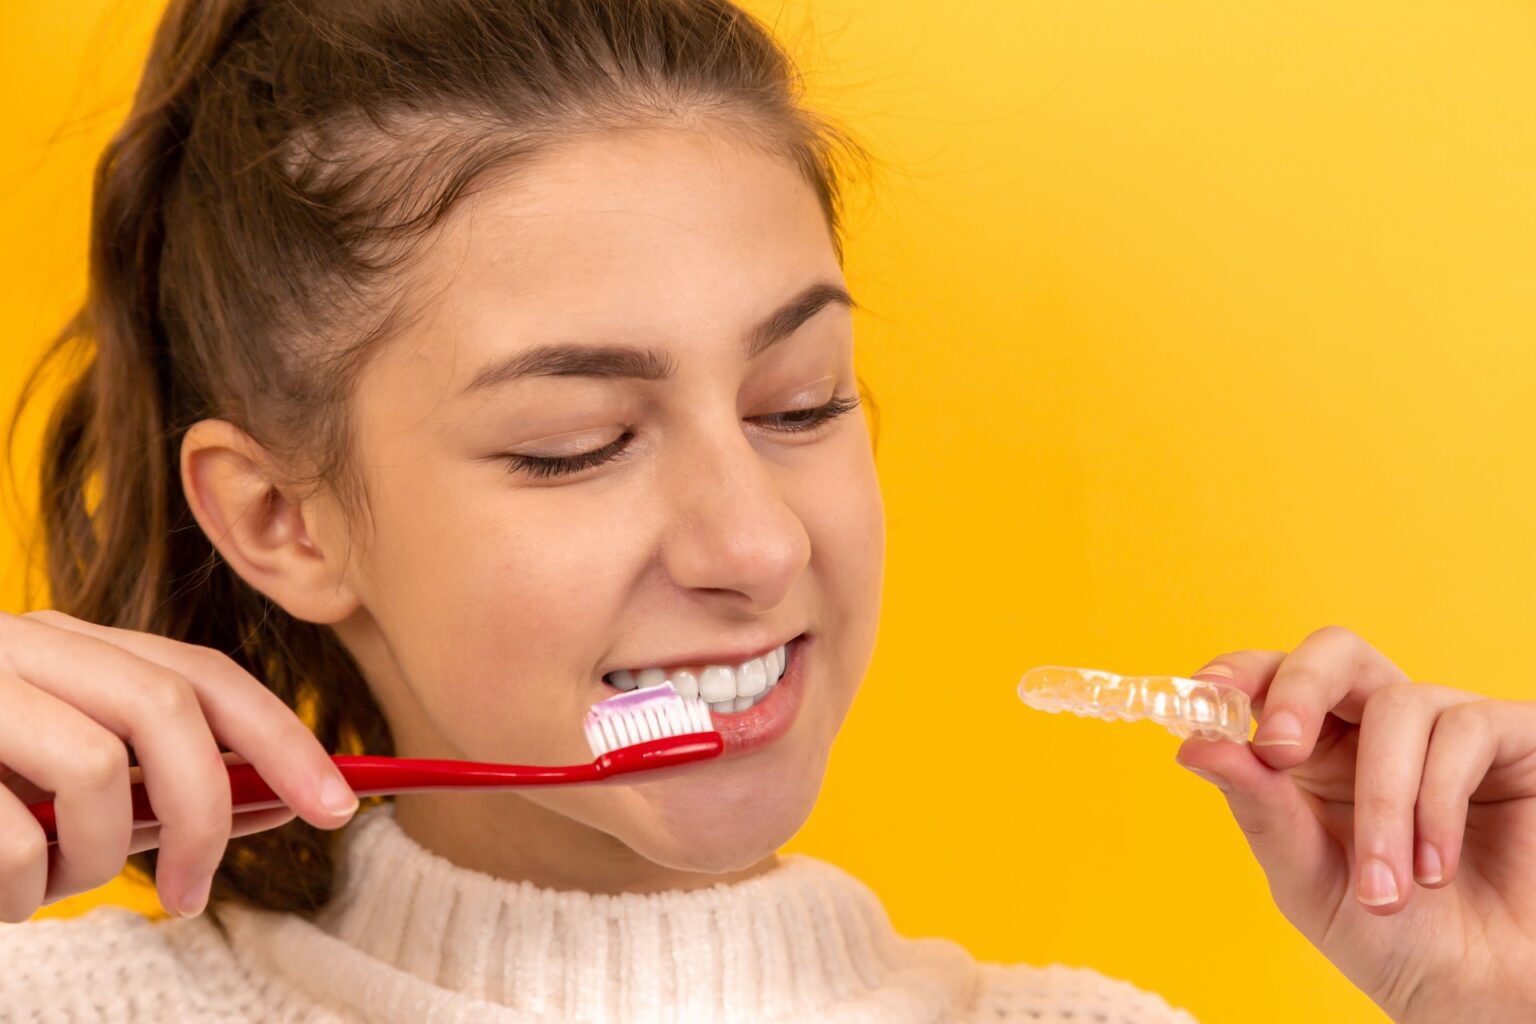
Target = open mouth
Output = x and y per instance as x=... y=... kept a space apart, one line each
x=725 y=688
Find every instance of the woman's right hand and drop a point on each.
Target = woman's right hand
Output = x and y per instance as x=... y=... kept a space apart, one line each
x=74 y=696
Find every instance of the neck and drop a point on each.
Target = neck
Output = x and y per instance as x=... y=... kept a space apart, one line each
x=492 y=833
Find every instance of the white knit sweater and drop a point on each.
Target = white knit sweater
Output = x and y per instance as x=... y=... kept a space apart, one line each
x=411 y=938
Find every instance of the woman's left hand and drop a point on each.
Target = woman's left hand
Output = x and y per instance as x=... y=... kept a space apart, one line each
x=1395 y=821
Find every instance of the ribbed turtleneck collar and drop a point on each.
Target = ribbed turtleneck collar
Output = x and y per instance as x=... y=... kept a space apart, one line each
x=412 y=937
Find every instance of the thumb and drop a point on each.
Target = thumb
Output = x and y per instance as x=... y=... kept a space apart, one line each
x=1305 y=867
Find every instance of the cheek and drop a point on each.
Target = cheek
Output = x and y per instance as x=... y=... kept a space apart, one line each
x=507 y=609
x=850 y=523
x=845 y=517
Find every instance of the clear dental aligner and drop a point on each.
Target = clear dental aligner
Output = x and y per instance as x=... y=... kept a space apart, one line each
x=1185 y=707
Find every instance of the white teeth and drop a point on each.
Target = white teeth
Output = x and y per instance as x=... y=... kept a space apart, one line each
x=751 y=679
x=717 y=684
x=686 y=683
x=725 y=688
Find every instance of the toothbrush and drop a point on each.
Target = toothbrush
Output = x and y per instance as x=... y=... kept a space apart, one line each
x=636 y=731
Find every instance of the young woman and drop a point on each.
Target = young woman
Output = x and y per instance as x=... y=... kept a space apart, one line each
x=449 y=359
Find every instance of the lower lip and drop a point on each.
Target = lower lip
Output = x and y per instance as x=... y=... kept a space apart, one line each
x=771 y=717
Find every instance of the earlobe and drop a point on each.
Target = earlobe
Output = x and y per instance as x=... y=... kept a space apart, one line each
x=255 y=519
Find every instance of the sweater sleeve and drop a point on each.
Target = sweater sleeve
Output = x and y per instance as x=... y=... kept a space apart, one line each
x=1071 y=995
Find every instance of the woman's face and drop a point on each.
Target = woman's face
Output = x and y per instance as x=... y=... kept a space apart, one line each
x=644 y=296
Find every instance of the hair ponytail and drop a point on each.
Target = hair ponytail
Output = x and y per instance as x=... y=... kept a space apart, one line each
x=121 y=545
x=279 y=161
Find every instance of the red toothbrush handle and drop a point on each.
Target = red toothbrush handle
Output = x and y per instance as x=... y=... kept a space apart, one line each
x=383 y=776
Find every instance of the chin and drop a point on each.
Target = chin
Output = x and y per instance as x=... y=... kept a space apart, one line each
x=721 y=829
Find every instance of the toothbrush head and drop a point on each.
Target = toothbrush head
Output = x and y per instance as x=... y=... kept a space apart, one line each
x=641 y=716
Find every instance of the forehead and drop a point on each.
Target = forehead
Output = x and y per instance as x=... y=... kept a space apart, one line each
x=659 y=228
x=669 y=238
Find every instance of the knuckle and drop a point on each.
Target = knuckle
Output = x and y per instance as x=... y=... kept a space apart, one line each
x=1381 y=808
x=1300 y=674
x=277 y=726
x=1392 y=698
x=1331 y=631
x=215 y=662
x=1469 y=718
x=1437 y=804
x=198 y=831
x=167 y=694
x=200 y=813
x=20 y=849
x=97 y=765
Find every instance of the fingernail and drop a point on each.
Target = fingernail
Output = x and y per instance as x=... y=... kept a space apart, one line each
x=193 y=902
x=1281 y=729
x=1378 y=886
x=337 y=796
x=1431 y=870
x=1214 y=779
x=1215 y=670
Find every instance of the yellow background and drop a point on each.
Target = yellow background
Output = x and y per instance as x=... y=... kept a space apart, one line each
x=1200 y=325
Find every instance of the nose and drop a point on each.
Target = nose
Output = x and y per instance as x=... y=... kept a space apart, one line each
x=730 y=528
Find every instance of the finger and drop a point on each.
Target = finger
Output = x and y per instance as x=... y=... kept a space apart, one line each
x=63 y=751
x=28 y=791
x=1305 y=867
x=1393 y=741
x=1332 y=671
x=23 y=860
x=244 y=823
x=241 y=712
x=185 y=781
x=156 y=711
x=1249 y=671
x=1469 y=739
x=245 y=715
x=147 y=837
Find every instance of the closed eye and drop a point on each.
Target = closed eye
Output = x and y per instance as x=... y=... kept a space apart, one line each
x=793 y=421
x=808 y=419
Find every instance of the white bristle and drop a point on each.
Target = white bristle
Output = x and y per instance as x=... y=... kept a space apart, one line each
x=648 y=713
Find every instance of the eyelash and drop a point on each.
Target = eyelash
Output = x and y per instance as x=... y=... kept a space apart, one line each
x=546 y=466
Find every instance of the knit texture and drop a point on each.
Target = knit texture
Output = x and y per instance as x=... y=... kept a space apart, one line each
x=414 y=939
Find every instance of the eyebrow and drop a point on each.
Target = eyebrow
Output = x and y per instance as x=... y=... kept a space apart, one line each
x=621 y=361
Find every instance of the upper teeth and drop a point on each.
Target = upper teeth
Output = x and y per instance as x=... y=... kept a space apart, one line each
x=723 y=687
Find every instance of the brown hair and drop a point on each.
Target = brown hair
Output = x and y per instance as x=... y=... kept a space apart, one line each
x=280 y=159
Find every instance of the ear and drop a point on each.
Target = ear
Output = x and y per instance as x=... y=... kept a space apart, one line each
x=292 y=552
